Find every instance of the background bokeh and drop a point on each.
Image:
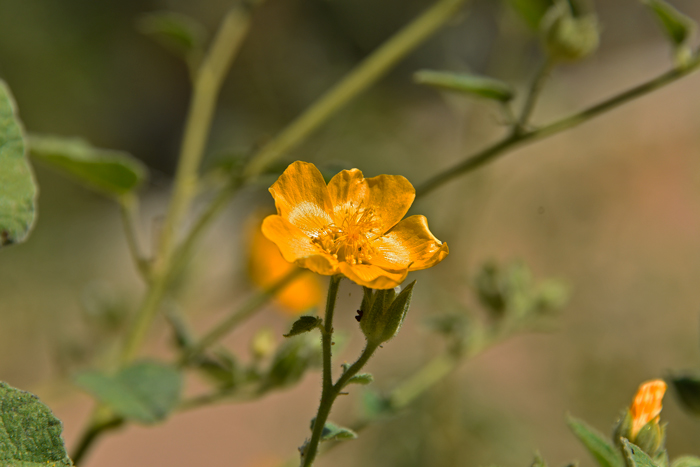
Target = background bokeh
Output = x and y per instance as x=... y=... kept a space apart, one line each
x=612 y=208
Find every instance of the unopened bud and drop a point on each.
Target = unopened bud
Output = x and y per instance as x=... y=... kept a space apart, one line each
x=640 y=423
x=384 y=313
x=569 y=37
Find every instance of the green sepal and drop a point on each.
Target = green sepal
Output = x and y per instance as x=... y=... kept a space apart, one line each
x=145 y=392
x=333 y=432
x=686 y=461
x=361 y=378
x=181 y=35
x=18 y=191
x=677 y=26
x=304 y=324
x=635 y=456
x=651 y=438
x=569 y=35
x=386 y=314
x=112 y=173
x=466 y=83
x=623 y=428
x=30 y=434
x=597 y=445
x=687 y=389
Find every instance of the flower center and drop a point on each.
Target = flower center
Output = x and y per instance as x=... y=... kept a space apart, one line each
x=350 y=237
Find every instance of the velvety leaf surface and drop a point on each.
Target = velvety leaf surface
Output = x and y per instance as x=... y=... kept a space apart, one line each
x=30 y=435
x=596 y=444
x=17 y=188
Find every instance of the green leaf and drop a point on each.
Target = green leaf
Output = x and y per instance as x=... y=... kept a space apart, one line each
x=677 y=26
x=686 y=461
x=688 y=391
x=304 y=324
x=599 y=447
x=17 y=188
x=146 y=392
x=635 y=456
x=181 y=35
x=291 y=360
x=113 y=173
x=30 y=435
x=466 y=83
x=361 y=378
x=333 y=432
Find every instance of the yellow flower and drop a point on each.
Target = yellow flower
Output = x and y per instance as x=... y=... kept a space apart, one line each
x=646 y=406
x=267 y=266
x=351 y=226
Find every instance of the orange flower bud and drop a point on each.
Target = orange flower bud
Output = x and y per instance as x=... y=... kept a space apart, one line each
x=646 y=406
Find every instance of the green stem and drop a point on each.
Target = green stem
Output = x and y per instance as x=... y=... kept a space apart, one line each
x=517 y=139
x=128 y=210
x=422 y=380
x=252 y=305
x=359 y=79
x=533 y=95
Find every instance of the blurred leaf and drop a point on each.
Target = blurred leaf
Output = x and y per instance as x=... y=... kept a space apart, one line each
x=17 y=188
x=361 y=378
x=146 y=392
x=304 y=324
x=375 y=405
x=30 y=435
x=598 y=446
x=113 y=173
x=291 y=361
x=465 y=83
x=178 y=33
x=222 y=368
x=635 y=456
x=677 y=26
x=688 y=392
x=531 y=11
x=333 y=432
x=686 y=461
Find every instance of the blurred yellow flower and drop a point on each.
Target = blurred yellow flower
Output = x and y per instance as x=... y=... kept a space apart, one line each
x=267 y=266
x=351 y=226
x=646 y=406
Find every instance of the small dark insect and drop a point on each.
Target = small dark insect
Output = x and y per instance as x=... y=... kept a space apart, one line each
x=359 y=315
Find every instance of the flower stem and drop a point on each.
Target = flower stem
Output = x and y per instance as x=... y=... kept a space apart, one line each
x=330 y=391
x=517 y=139
x=533 y=94
x=128 y=209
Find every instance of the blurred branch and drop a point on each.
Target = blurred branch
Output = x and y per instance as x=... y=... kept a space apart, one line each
x=359 y=79
x=533 y=94
x=128 y=210
x=252 y=305
x=518 y=139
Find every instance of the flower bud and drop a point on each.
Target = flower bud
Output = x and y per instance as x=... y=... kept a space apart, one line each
x=383 y=313
x=568 y=36
x=640 y=423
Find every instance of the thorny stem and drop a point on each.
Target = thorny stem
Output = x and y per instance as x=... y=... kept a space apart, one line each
x=514 y=140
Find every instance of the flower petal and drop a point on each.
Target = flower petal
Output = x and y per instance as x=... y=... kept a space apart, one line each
x=372 y=276
x=410 y=244
x=301 y=197
x=348 y=189
x=297 y=247
x=390 y=196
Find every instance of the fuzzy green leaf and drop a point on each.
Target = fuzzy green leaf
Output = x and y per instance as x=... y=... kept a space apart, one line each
x=686 y=461
x=466 y=83
x=113 y=173
x=146 y=392
x=17 y=188
x=598 y=446
x=333 y=432
x=304 y=324
x=30 y=435
x=635 y=456
x=677 y=26
x=361 y=378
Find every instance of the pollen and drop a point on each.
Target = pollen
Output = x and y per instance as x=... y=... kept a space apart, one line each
x=349 y=238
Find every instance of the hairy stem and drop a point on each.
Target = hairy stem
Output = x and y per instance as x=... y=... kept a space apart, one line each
x=514 y=140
